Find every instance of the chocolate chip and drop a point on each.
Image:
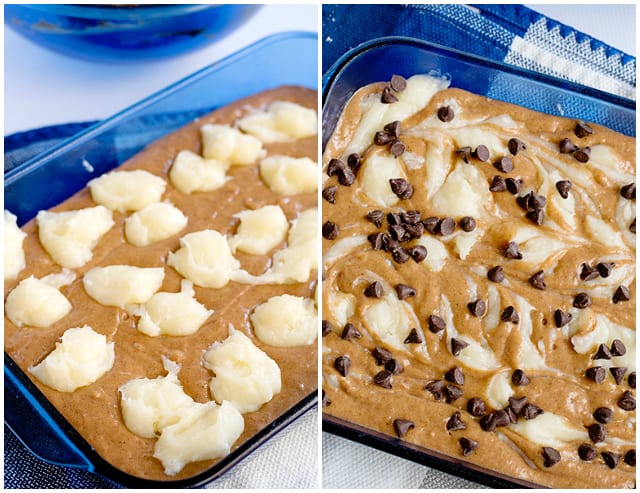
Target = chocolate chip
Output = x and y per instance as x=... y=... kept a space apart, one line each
x=350 y=332
x=603 y=415
x=631 y=379
x=354 y=161
x=446 y=226
x=334 y=167
x=510 y=315
x=582 y=300
x=481 y=153
x=381 y=138
x=627 y=401
x=388 y=97
x=400 y=255
x=596 y=373
x=431 y=224
x=582 y=130
x=383 y=379
x=582 y=154
x=504 y=164
x=399 y=233
x=561 y=318
x=375 y=217
x=402 y=426
x=563 y=187
x=611 y=459
x=455 y=375
x=531 y=411
x=488 y=422
x=566 y=146
x=476 y=407
x=519 y=378
x=587 y=452
x=413 y=337
x=464 y=153
x=501 y=418
x=468 y=446
x=628 y=191
x=394 y=219
x=414 y=230
x=515 y=146
x=398 y=83
x=477 y=308
x=329 y=194
x=587 y=272
x=397 y=148
x=452 y=393
x=381 y=355
x=330 y=230
x=517 y=404
x=597 y=432
x=326 y=328
x=605 y=268
x=455 y=422
x=537 y=280
x=346 y=177
x=401 y=188
x=411 y=217
x=342 y=364
x=513 y=185
x=325 y=399
x=436 y=324
x=373 y=290
x=632 y=226
x=445 y=114
x=457 y=345
x=511 y=251
x=436 y=388
x=618 y=348
x=376 y=240
x=630 y=457
x=603 y=352
x=496 y=274
x=618 y=373
x=404 y=291
x=467 y=223
x=394 y=366
x=551 y=456
x=621 y=294
x=389 y=244
x=418 y=253
x=393 y=128
x=498 y=184
x=536 y=216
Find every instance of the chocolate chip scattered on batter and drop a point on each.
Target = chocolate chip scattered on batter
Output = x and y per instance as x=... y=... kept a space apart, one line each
x=350 y=332
x=621 y=294
x=413 y=337
x=498 y=184
x=631 y=379
x=611 y=459
x=603 y=415
x=627 y=402
x=373 y=290
x=418 y=253
x=393 y=128
x=401 y=188
x=455 y=422
x=618 y=348
x=476 y=407
x=342 y=364
x=330 y=230
x=582 y=130
x=398 y=83
x=457 y=345
x=436 y=324
x=531 y=411
x=452 y=393
x=446 y=226
x=488 y=422
x=468 y=446
x=536 y=216
x=515 y=146
x=388 y=97
x=517 y=404
x=354 y=161
x=561 y=318
x=630 y=457
x=467 y=224
x=582 y=154
x=394 y=366
x=582 y=300
x=383 y=379
x=464 y=153
x=551 y=456
x=445 y=114
x=381 y=355
x=632 y=226
x=605 y=268
x=537 y=280
x=510 y=314
x=402 y=426
x=326 y=328
x=404 y=291
x=597 y=432
x=346 y=177
x=587 y=452
x=411 y=217
x=603 y=352
x=381 y=138
x=481 y=153
x=504 y=164
x=628 y=191
x=431 y=224
x=436 y=388
x=596 y=373
x=400 y=255
x=455 y=375
x=329 y=194
x=376 y=240
x=376 y=217
x=511 y=251
x=618 y=373
x=519 y=378
x=567 y=147
x=513 y=185
x=587 y=272
x=477 y=307
x=563 y=187
x=496 y=274
x=335 y=166
x=397 y=148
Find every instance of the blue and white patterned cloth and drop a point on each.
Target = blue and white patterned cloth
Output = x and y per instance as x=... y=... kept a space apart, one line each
x=512 y=34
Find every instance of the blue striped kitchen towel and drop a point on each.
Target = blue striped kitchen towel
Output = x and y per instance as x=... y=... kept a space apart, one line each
x=512 y=34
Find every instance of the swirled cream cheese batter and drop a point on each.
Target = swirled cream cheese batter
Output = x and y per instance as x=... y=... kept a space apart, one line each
x=479 y=282
x=123 y=285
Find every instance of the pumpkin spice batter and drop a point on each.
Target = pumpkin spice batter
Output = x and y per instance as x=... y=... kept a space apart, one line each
x=479 y=283
x=94 y=410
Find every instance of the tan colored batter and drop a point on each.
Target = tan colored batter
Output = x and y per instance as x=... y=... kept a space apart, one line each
x=94 y=410
x=560 y=386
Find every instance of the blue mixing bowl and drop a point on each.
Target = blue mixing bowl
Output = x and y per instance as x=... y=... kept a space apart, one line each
x=125 y=33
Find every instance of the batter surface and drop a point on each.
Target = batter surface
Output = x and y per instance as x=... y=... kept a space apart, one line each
x=479 y=283
x=94 y=410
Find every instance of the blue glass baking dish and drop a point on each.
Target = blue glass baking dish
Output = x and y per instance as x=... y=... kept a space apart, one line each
x=48 y=179
x=125 y=32
x=377 y=60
